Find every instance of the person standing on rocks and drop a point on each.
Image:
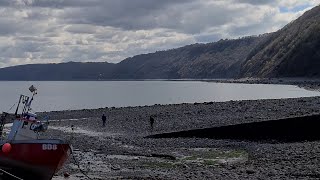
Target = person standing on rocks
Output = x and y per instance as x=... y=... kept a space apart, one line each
x=151 y=122
x=104 y=119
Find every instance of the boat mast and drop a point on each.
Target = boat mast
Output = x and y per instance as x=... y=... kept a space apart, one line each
x=25 y=101
x=16 y=113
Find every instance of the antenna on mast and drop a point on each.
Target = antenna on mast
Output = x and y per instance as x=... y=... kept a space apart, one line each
x=33 y=89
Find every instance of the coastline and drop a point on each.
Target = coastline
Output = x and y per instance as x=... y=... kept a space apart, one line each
x=307 y=83
x=121 y=151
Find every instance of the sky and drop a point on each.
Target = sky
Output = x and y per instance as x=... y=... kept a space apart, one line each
x=54 y=31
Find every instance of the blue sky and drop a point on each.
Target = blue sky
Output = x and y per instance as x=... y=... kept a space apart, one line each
x=298 y=8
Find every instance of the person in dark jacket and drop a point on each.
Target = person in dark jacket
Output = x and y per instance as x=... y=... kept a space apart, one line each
x=104 y=119
x=151 y=122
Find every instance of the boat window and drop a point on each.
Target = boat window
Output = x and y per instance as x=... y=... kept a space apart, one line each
x=25 y=123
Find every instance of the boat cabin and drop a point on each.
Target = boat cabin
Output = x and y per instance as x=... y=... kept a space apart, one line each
x=25 y=125
x=25 y=129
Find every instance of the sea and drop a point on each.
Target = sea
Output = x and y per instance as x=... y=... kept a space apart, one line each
x=73 y=95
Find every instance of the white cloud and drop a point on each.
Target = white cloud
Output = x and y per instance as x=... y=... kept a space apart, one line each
x=295 y=3
x=45 y=31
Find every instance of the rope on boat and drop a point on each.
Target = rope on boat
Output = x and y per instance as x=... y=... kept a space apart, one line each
x=12 y=107
x=78 y=164
x=16 y=177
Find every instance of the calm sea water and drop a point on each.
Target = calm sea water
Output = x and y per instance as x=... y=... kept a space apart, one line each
x=66 y=95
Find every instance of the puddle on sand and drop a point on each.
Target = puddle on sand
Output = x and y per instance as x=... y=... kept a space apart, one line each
x=72 y=177
x=75 y=177
x=124 y=157
x=76 y=130
x=62 y=120
x=130 y=147
x=97 y=166
x=83 y=131
x=207 y=156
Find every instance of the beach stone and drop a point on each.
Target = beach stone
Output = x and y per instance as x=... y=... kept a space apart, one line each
x=250 y=171
x=66 y=174
x=115 y=167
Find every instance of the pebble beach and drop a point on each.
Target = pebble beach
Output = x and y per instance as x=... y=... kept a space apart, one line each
x=121 y=151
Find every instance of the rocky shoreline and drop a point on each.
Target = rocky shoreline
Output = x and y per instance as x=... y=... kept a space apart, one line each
x=120 y=151
x=307 y=83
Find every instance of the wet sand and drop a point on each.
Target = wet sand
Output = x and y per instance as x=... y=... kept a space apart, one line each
x=120 y=151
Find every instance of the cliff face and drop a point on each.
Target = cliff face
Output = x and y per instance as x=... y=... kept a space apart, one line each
x=293 y=51
x=221 y=59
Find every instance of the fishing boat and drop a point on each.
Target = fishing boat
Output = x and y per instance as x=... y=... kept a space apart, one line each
x=24 y=155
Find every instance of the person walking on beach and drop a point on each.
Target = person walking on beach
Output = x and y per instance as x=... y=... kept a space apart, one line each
x=151 y=122
x=104 y=119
